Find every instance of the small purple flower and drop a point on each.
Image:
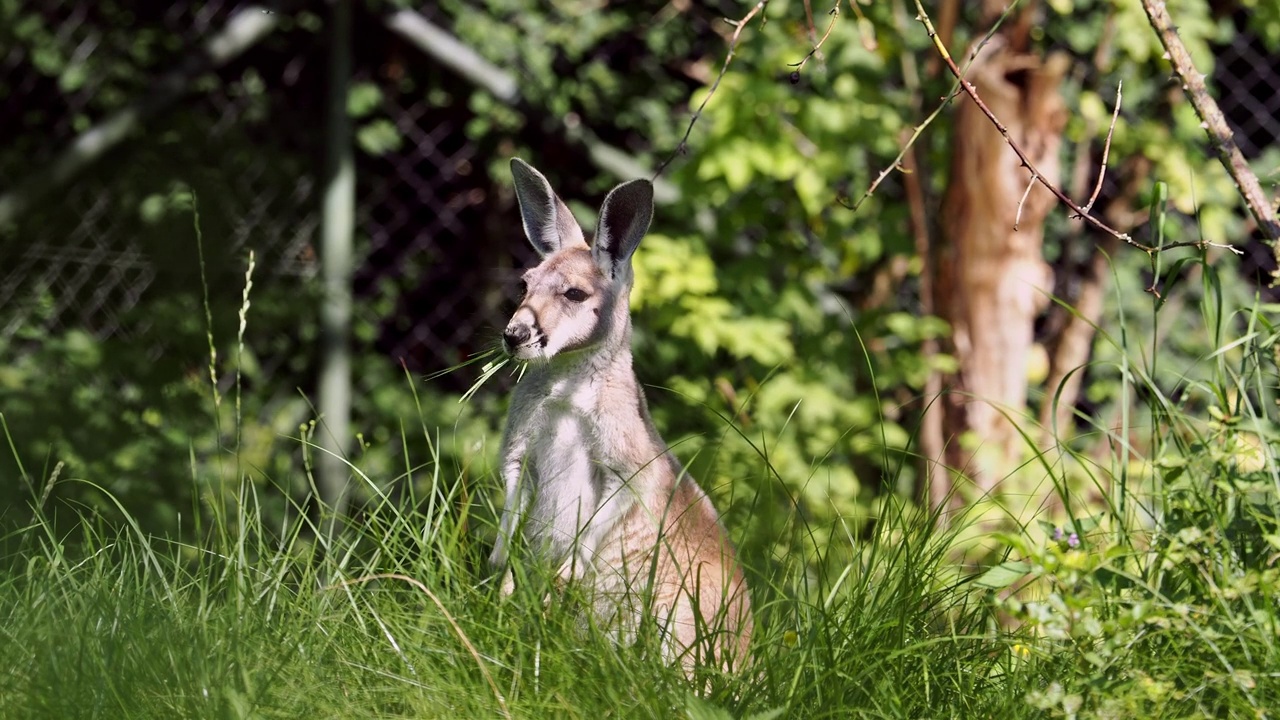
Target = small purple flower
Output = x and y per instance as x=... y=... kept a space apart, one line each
x=1073 y=540
x=1057 y=534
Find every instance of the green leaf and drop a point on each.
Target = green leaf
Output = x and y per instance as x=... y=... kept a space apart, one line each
x=73 y=78
x=379 y=137
x=363 y=99
x=1086 y=524
x=1003 y=575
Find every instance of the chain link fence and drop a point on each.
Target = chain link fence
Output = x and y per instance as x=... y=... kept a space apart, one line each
x=91 y=253
x=1246 y=79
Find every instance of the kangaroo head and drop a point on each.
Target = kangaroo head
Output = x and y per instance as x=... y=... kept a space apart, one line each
x=578 y=294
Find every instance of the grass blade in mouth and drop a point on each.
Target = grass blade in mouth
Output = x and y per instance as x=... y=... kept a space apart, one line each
x=497 y=360
x=469 y=361
x=490 y=369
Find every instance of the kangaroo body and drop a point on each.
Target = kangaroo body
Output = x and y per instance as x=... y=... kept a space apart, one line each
x=592 y=489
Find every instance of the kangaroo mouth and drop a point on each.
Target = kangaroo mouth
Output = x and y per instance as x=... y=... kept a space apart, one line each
x=532 y=349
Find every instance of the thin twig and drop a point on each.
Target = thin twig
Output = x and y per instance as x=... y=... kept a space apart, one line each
x=897 y=163
x=497 y=694
x=1106 y=150
x=906 y=147
x=947 y=16
x=835 y=15
x=1017 y=217
x=865 y=29
x=972 y=92
x=728 y=58
x=1215 y=124
x=932 y=471
x=808 y=17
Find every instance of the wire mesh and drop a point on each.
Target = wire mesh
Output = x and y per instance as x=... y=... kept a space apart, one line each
x=1247 y=80
x=93 y=254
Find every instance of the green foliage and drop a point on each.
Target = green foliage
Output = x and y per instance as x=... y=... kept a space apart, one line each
x=1166 y=600
x=759 y=297
x=116 y=434
x=1264 y=19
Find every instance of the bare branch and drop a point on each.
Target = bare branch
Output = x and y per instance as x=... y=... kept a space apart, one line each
x=897 y=163
x=1215 y=124
x=808 y=19
x=910 y=141
x=972 y=92
x=906 y=148
x=1106 y=150
x=738 y=26
x=835 y=15
x=1017 y=218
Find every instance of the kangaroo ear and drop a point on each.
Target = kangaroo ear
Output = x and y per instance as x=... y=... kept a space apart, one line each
x=547 y=221
x=624 y=219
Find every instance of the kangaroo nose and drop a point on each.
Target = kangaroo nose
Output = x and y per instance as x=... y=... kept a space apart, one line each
x=514 y=336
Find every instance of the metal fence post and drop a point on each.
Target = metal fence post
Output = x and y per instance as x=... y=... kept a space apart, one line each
x=337 y=228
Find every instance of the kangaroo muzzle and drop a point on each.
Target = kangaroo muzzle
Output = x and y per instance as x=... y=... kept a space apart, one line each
x=514 y=336
x=521 y=330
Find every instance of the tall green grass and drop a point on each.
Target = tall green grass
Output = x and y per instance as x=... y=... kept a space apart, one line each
x=398 y=618
x=1154 y=594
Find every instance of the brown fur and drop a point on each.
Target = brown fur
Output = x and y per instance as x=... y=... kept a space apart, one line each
x=591 y=485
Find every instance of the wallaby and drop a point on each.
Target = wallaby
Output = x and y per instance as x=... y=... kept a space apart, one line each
x=592 y=490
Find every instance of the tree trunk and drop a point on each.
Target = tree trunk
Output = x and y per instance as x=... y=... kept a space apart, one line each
x=992 y=281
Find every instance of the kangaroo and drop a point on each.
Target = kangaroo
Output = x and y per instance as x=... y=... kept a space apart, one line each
x=592 y=489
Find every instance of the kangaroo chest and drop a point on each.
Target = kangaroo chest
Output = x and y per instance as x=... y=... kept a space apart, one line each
x=562 y=472
x=588 y=458
x=567 y=476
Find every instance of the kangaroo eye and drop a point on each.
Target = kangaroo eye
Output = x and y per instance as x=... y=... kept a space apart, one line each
x=575 y=295
x=524 y=288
